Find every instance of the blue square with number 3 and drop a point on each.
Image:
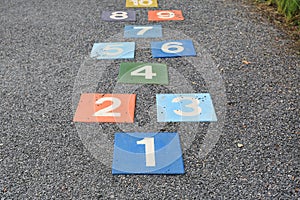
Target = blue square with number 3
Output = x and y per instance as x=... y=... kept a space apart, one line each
x=185 y=108
x=147 y=153
x=143 y=31
x=172 y=48
x=113 y=50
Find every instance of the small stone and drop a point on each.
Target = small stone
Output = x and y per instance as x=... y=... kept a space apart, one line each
x=240 y=145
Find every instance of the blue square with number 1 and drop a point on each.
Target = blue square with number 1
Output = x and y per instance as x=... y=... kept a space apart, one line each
x=143 y=31
x=147 y=153
x=185 y=108
x=113 y=50
x=173 y=48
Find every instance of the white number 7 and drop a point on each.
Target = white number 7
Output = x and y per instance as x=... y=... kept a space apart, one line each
x=144 y=29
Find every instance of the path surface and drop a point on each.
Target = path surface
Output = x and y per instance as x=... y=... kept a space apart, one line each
x=43 y=155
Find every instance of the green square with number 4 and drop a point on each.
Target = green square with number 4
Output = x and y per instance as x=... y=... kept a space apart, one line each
x=145 y=73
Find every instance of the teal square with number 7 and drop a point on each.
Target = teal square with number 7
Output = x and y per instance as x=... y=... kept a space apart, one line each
x=147 y=153
x=113 y=50
x=172 y=48
x=185 y=108
x=143 y=31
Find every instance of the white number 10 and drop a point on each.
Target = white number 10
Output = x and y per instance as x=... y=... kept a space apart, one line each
x=149 y=151
x=142 y=2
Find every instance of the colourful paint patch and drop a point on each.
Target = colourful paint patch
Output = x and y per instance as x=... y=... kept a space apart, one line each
x=185 y=108
x=165 y=15
x=147 y=153
x=145 y=73
x=172 y=48
x=153 y=31
x=116 y=50
x=105 y=108
x=119 y=16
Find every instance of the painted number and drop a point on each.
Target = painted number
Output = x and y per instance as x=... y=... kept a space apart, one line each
x=194 y=105
x=144 y=29
x=106 y=112
x=165 y=14
x=142 y=2
x=145 y=71
x=113 y=49
x=119 y=15
x=172 y=47
x=149 y=151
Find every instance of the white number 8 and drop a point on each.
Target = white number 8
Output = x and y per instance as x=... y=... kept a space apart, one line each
x=119 y=15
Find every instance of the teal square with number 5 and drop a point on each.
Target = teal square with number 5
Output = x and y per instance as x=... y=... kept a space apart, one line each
x=113 y=50
x=172 y=48
x=143 y=31
x=147 y=153
x=185 y=108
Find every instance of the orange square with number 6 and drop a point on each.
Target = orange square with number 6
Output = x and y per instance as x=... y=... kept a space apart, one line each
x=105 y=108
x=165 y=15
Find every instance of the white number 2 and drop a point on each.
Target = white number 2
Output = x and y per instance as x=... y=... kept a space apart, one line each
x=148 y=74
x=106 y=112
x=149 y=151
x=194 y=105
x=172 y=47
x=144 y=29
x=119 y=15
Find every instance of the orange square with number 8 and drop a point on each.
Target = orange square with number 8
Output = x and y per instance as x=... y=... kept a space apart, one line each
x=165 y=15
x=105 y=108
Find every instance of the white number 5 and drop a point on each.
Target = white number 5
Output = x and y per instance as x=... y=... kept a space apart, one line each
x=113 y=49
x=194 y=105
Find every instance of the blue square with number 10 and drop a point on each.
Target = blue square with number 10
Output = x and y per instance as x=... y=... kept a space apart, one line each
x=173 y=48
x=185 y=108
x=147 y=153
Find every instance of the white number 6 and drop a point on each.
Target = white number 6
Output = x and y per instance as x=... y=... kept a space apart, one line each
x=172 y=47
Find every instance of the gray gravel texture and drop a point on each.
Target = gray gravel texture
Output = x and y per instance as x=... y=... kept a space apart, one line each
x=43 y=44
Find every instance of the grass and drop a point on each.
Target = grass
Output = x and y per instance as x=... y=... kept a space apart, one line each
x=290 y=8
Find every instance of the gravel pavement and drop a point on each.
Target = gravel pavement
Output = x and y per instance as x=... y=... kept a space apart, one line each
x=254 y=153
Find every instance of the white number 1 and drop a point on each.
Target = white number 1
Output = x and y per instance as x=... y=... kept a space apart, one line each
x=149 y=151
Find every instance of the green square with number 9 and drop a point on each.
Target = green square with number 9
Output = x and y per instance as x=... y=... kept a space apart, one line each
x=145 y=73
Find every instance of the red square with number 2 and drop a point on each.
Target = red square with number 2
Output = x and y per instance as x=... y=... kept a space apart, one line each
x=164 y=15
x=105 y=108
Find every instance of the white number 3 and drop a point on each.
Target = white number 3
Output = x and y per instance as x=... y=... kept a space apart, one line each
x=194 y=105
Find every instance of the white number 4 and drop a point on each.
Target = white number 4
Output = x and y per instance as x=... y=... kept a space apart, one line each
x=145 y=71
